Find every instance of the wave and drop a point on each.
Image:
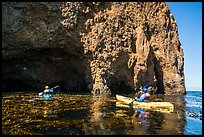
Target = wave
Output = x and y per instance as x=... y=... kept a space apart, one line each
x=194 y=106
x=196 y=97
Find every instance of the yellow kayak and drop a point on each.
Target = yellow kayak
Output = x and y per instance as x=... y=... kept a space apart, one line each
x=157 y=106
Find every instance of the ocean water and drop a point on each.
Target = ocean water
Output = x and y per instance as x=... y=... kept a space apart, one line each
x=23 y=113
x=193 y=113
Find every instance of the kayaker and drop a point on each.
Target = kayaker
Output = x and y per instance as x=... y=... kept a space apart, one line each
x=144 y=95
x=47 y=93
x=47 y=90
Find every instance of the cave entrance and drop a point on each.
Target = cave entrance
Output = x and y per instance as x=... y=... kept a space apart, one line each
x=158 y=73
x=120 y=87
x=42 y=67
x=159 y=78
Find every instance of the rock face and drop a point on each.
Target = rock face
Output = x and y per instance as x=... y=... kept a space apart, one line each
x=106 y=47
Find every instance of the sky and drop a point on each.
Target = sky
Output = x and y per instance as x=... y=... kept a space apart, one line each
x=188 y=16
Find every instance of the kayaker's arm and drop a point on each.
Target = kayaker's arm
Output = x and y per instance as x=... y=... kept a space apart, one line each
x=56 y=87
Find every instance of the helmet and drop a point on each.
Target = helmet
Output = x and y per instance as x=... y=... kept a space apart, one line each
x=144 y=90
x=46 y=87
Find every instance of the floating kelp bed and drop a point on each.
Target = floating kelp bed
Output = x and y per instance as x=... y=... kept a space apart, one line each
x=24 y=115
x=81 y=114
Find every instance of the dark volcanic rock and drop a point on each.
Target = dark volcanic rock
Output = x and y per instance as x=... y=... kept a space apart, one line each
x=103 y=47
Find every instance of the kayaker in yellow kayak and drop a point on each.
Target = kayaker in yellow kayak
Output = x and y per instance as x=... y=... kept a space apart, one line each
x=144 y=95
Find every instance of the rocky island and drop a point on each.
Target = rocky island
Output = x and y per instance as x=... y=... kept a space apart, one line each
x=102 y=47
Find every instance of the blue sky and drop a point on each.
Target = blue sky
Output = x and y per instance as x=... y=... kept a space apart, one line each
x=188 y=16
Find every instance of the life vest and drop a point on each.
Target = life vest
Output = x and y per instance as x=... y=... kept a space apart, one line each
x=147 y=95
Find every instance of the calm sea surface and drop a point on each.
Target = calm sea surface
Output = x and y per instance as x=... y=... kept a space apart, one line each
x=86 y=114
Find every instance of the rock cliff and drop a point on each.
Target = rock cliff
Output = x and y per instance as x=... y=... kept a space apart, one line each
x=103 y=47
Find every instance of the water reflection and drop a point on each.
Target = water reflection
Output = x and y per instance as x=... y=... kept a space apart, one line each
x=86 y=114
x=144 y=116
x=148 y=122
x=175 y=122
x=96 y=124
